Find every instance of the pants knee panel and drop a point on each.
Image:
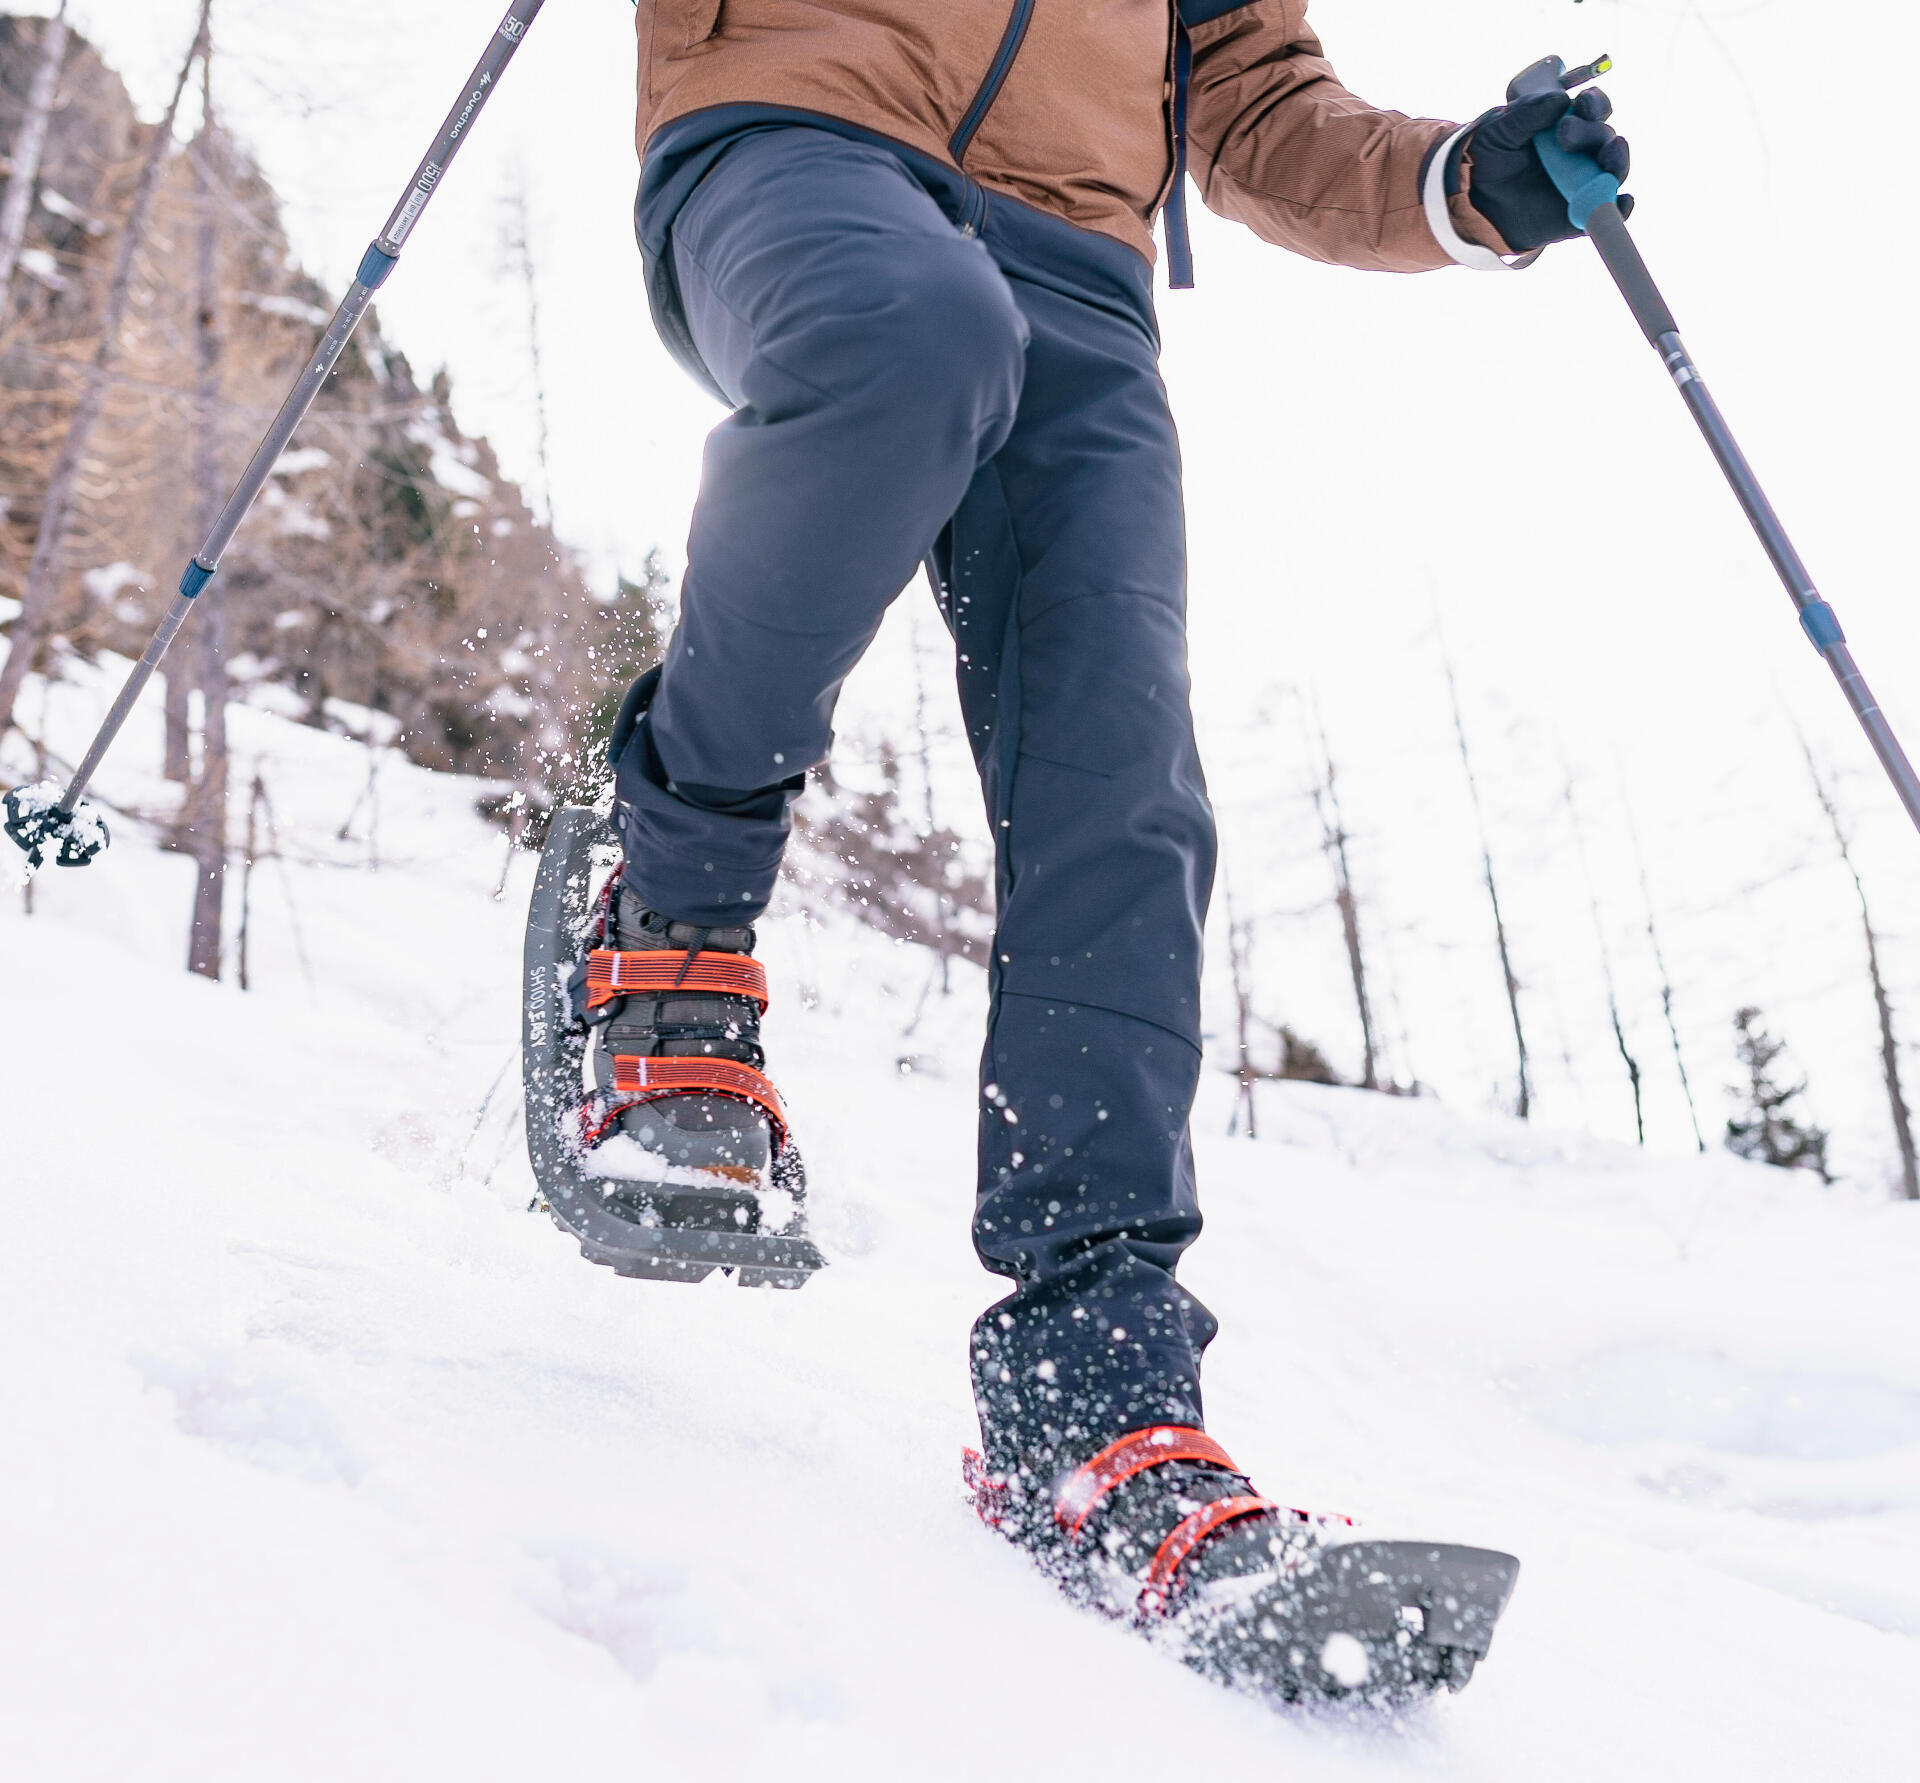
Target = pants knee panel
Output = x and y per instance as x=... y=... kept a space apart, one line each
x=932 y=331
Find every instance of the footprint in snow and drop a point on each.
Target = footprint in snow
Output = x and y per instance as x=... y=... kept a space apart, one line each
x=256 y=1412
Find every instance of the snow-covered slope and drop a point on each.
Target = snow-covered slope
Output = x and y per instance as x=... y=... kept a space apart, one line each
x=324 y=1457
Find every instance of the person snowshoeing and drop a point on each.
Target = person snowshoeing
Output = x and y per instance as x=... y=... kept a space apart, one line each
x=910 y=244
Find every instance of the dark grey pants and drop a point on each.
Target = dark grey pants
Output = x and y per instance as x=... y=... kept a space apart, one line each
x=920 y=372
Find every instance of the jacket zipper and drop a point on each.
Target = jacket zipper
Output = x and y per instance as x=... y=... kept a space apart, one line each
x=976 y=113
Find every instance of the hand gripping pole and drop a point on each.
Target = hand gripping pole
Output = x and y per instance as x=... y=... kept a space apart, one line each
x=1592 y=206
x=382 y=255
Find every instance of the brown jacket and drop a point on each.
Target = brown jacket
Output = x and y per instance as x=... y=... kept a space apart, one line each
x=1067 y=105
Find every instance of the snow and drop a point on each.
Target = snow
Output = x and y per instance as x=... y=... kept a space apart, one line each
x=327 y=1458
x=301 y=459
x=104 y=583
x=290 y=309
x=509 y=702
x=451 y=467
x=44 y=267
x=1345 y=1661
x=294 y=518
x=62 y=206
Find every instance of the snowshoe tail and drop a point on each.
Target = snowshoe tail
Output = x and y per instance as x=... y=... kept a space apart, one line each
x=580 y=848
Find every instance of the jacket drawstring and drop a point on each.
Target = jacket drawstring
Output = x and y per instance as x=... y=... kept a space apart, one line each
x=1174 y=213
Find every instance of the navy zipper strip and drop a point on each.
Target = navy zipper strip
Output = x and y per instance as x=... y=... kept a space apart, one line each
x=1174 y=211
x=1010 y=42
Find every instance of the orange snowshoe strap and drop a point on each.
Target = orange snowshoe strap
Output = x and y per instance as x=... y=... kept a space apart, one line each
x=648 y=1078
x=1119 y=1462
x=611 y=975
x=1188 y=1536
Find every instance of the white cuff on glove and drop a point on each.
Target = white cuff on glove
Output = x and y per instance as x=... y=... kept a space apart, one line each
x=1440 y=217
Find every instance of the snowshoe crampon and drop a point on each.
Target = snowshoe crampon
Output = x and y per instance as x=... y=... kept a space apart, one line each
x=670 y=1225
x=1162 y=1530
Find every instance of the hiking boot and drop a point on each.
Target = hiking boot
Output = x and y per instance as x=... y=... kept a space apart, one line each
x=1160 y=1529
x=681 y=1101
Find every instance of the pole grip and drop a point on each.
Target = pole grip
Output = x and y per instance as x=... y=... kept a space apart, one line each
x=1582 y=181
x=1608 y=230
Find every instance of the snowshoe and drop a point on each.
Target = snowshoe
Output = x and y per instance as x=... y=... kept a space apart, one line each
x=1162 y=1530
x=655 y=1139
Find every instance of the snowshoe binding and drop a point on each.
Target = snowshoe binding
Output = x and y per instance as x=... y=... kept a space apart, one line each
x=655 y=1137
x=1161 y=1530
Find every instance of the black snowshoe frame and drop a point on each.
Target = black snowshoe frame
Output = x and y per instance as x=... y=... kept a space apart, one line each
x=580 y=850
x=1422 y=1615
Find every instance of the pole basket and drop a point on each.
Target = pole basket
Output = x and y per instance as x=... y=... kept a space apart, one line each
x=39 y=825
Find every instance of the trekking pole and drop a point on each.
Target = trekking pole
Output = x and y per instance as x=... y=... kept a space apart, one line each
x=36 y=819
x=1591 y=194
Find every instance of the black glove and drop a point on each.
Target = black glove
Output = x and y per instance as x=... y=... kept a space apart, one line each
x=1512 y=189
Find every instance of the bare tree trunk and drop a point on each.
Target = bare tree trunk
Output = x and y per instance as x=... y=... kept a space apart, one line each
x=39 y=777
x=1408 y=1071
x=278 y=857
x=520 y=250
x=943 y=903
x=369 y=796
x=1606 y=967
x=516 y=834
x=1334 y=828
x=208 y=798
x=1524 y=1105
x=177 y=753
x=1666 y=987
x=1239 y=951
x=243 y=942
x=519 y=245
x=29 y=144
x=1883 y=1006
x=30 y=629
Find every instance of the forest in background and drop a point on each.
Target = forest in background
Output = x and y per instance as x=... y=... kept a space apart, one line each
x=389 y=566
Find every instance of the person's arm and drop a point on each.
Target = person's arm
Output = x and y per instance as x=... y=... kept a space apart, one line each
x=1277 y=143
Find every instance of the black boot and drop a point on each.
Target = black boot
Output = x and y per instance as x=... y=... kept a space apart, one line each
x=1161 y=1529
x=716 y=1135
x=684 y=1128
x=639 y=1052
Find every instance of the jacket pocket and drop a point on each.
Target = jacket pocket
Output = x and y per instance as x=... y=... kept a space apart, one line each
x=668 y=30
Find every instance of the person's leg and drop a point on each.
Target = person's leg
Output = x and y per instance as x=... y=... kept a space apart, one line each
x=1065 y=582
x=876 y=356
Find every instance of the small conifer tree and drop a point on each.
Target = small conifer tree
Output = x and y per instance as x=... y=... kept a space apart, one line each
x=1768 y=1127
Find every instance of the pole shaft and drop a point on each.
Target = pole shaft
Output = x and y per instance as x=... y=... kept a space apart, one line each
x=1617 y=249
x=378 y=262
x=163 y=635
x=292 y=412
x=506 y=41
x=374 y=270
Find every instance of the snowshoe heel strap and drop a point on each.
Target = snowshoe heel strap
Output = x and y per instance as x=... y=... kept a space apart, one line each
x=1133 y=1454
x=647 y=1079
x=611 y=976
x=1162 y=1575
